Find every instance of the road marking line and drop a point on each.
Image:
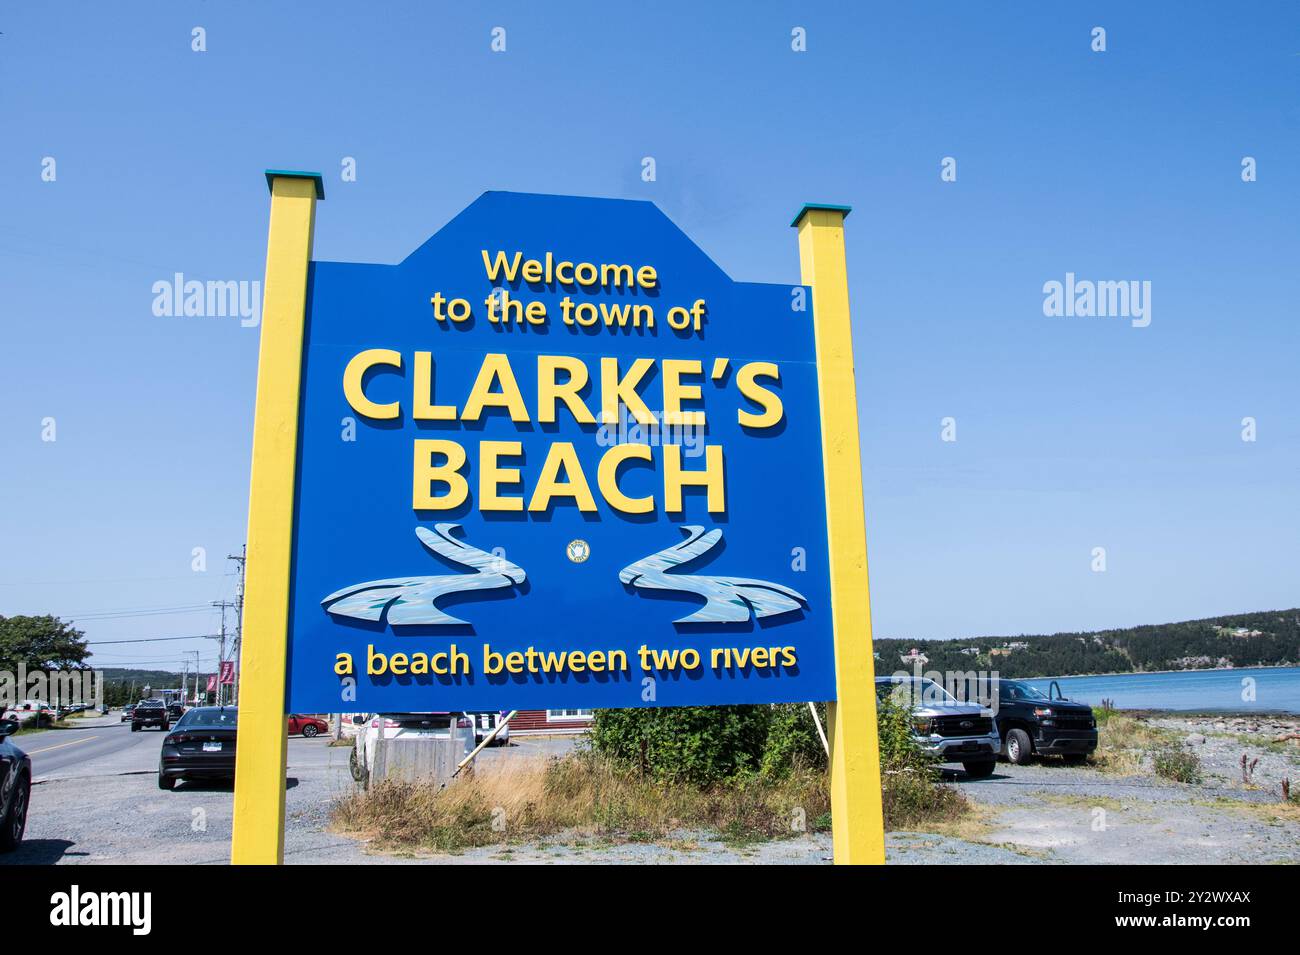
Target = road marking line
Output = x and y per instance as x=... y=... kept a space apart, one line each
x=33 y=752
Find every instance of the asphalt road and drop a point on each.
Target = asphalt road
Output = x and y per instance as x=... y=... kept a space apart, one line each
x=103 y=747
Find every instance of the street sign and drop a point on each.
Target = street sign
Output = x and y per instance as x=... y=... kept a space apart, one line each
x=557 y=458
x=554 y=458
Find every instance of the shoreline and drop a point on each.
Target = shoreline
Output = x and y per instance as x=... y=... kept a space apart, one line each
x=1080 y=676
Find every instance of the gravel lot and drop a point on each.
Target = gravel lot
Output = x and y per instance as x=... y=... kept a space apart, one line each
x=110 y=810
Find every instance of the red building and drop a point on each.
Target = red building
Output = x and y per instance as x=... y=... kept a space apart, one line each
x=550 y=721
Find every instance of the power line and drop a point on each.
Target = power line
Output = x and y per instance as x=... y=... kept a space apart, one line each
x=197 y=636
x=141 y=612
x=102 y=580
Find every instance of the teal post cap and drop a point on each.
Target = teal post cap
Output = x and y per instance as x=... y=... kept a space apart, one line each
x=809 y=206
x=295 y=174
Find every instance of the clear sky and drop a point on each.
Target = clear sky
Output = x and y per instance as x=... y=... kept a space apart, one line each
x=1073 y=433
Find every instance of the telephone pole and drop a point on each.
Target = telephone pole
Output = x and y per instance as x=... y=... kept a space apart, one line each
x=221 y=646
x=241 y=560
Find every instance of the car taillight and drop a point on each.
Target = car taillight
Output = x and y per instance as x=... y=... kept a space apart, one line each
x=391 y=724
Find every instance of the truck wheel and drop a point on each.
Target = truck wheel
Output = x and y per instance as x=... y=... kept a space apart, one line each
x=1019 y=748
x=981 y=770
x=309 y=731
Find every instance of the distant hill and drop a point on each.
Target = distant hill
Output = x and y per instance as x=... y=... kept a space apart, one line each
x=158 y=679
x=1266 y=638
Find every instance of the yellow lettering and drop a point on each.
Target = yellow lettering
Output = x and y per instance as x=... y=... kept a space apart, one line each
x=549 y=391
x=746 y=381
x=491 y=475
x=421 y=407
x=711 y=478
x=495 y=368
x=607 y=478
x=356 y=371
x=615 y=390
x=549 y=485
x=494 y=268
x=426 y=472
x=675 y=392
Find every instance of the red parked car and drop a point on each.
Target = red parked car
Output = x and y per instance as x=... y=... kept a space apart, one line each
x=308 y=726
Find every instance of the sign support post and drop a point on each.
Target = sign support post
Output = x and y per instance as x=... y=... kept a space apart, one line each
x=856 y=817
x=258 y=836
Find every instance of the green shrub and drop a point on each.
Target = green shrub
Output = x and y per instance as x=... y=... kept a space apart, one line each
x=694 y=744
x=740 y=749
x=1176 y=763
x=792 y=740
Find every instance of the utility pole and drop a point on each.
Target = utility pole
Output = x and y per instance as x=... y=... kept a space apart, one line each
x=221 y=651
x=241 y=560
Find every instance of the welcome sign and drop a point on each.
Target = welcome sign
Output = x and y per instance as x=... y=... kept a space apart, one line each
x=557 y=458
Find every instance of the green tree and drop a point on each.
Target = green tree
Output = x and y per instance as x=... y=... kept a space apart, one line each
x=40 y=643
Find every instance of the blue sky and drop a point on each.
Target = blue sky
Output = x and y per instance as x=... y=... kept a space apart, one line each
x=1072 y=433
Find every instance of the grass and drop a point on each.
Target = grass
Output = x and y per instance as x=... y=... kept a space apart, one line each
x=584 y=797
x=32 y=730
x=1177 y=763
x=913 y=798
x=1124 y=743
x=581 y=795
x=1281 y=811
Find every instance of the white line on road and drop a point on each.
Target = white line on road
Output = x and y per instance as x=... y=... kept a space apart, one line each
x=33 y=752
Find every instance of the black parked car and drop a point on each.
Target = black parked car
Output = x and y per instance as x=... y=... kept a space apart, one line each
x=15 y=788
x=1032 y=721
x=150 y=713
x=202 y=746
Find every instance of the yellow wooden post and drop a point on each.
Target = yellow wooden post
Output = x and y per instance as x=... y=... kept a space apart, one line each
x=858 y=832
x=258 y=836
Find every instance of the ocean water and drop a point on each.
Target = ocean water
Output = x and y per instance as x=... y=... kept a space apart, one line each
x=1275 y=689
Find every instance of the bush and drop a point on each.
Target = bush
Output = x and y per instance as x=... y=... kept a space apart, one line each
x=693 y=744
x=911 y=790
x=731 y=747
x=1176 y=763
x=792 y=740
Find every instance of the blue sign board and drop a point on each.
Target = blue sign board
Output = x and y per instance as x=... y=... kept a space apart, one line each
x=556 y=458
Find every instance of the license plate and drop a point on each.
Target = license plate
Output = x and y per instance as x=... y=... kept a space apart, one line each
x=211 y=747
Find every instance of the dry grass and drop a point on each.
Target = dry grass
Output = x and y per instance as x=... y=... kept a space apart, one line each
x=577 y=795
x=913 y=799
x=1124 y=743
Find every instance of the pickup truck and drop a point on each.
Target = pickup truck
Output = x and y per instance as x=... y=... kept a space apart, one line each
x=1033 y=722
x=951 y=731
x=150 y=713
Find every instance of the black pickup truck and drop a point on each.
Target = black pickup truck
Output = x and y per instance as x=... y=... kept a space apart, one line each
x=1033 y=722
x=150 y=713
